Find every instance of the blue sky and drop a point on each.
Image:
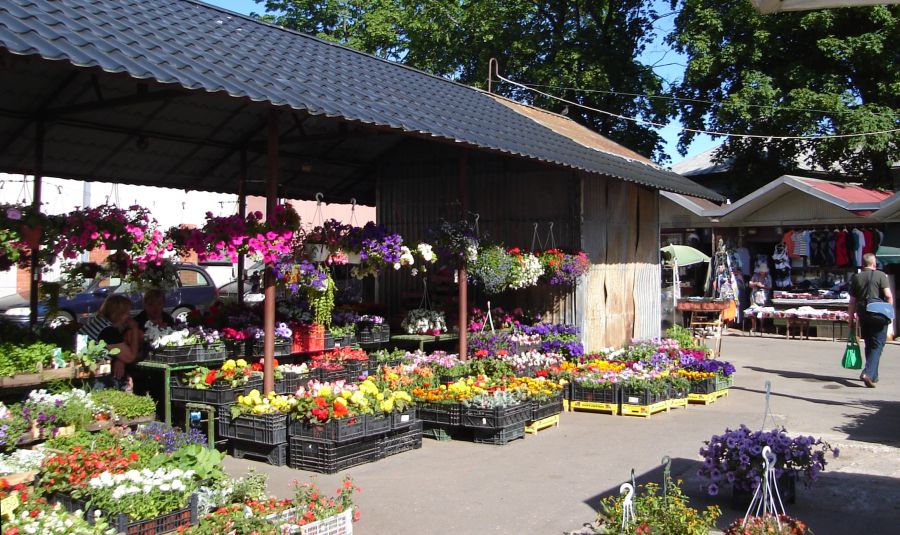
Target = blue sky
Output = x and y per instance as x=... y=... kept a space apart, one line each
x=670 y=69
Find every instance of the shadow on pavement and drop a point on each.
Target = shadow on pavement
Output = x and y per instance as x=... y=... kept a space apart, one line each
x=839 y=503
x=801 y=398
x=880 y=423
x=843 y=381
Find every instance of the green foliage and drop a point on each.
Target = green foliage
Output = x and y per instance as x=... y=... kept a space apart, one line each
x=93 y=353
x=12 y=427
x=589 y=44
x=16 y=359
x=842 y=62
x=103 y=440
x=656 y=513
x=322 y=303
x=206 y=463
x=492 y=368
x=250 y=487
x=640 y=384
x=125 y=404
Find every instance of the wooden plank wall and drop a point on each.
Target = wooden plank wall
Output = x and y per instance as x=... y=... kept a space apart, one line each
x=621 y=236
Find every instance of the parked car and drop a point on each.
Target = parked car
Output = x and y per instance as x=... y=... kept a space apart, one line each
x=195 y=290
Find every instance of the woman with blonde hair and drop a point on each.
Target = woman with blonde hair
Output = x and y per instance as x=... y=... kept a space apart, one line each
x=113 y=325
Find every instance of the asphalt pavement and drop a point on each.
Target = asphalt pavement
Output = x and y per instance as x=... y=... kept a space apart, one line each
x=551 y=483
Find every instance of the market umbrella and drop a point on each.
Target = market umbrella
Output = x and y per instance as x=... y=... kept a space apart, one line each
x=684 y=255
x=888 y=255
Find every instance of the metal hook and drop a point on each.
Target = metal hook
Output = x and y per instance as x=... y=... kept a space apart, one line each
x=627 y=504
x=667 y=474
x=551 y=226
x=477 y=217
x=353 y=203
x=319 y=197
x=535 y=226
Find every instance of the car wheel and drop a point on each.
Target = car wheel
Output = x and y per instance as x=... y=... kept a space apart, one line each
x=181 y=314
x=59 y=319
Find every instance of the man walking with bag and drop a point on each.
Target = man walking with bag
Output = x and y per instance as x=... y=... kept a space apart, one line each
x=872 y=302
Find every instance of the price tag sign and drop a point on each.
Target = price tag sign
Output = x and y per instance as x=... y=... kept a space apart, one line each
x=9 y=504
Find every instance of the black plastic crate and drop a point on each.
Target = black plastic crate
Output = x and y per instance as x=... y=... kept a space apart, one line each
x=496 y=418
x=328 y=458
x=549 y=407
x=293 y=381
x=267 y=429
x=500 y=436
x=190 y=354
x=596 y=395
x=377 y=426
x=439 y=413
x=337 y=431
x=328 y=376
x=675 y=393
x=282 y=347
x=398 y=442
x=355 y=368
x=68 y=503
x=329 y=341
x=703 y=386
x=642 y=397
x=216 y=395
x=404 y=419
x=276 y=455
x=167 y=523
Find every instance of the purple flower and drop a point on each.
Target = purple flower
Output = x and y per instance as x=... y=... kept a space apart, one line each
x=712 y=489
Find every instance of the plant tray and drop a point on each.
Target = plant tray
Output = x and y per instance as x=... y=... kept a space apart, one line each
x=398 y=442
x=705 y=386
x=293 y=381
x=336 y=431
x=499 y=418
x=192 y=354
x=403 y=420
x=723 y=383
x=441 y=433
x=216 y=395
x=328 y=376
x=643 y=397
x=68 y=503
x=543 y=409
x=329 y=457
x=379 y=426
x=439 y=413
x=644 y=411
x=543 y=423
x=282 y=347
x=341 y=524
x=595 y=395
x=308 y=338
x=276 y=455
x=268 y=429
x=501 y=436
x=594 y=406
x=167 y=523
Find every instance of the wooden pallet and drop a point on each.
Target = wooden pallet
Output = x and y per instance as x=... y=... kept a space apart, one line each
x=676 y=403
x=644 y=411
x=594 y=406
x=543 y=423
x=706 y=399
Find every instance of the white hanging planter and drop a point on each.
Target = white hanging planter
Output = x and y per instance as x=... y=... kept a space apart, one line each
x=316 y=252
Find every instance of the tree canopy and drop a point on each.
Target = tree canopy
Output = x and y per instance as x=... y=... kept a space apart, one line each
x=833 y=71
x=585 y=44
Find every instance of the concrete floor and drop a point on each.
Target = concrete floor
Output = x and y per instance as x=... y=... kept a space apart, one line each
x=551 y=483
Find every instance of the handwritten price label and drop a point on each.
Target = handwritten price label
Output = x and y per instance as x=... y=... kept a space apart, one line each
x=8 y=505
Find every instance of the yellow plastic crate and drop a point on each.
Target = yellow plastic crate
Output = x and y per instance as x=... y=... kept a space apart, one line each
x=644 y=411
x=543 y=423
x=676 y=403
x=594 y=406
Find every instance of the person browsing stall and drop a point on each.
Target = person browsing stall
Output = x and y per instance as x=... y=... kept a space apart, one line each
x=760 y=285
x=113 y=325
x=154 y=301
x=867 y=287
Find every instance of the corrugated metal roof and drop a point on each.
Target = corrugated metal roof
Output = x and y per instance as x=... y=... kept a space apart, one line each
x=851 y=193
x=205 y=48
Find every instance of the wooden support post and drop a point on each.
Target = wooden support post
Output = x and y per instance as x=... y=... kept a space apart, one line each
x=463 y=281
x=242 y=210
x=36 y=204
x=269 y=278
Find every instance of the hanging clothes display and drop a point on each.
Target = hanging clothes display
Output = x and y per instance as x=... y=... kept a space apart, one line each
x=841 y=258
x=859 y=246
x=782 y=275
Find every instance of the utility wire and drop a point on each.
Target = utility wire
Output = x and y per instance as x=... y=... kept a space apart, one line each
x=685 y=99
x=695 y=130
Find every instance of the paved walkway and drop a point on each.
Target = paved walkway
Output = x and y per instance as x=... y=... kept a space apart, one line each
x=551 y=483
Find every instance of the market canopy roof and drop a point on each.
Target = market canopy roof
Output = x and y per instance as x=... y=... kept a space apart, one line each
x=684 y=255
x=171 y=92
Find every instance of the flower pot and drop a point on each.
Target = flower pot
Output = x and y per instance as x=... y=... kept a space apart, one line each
x=787 y=489
x=435 y=332
x=316 y=252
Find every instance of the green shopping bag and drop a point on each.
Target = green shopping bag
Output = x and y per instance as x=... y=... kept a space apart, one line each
x=852 y=355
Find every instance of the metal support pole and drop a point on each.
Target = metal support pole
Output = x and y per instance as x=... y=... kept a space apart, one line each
x=463 y=281
x=36 y=204
x=242 y=210
x=269 y=278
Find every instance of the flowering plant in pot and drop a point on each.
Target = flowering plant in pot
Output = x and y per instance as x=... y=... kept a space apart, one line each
x=142 y=494
x=22 y=229
x=656 y=512
x=491 y=269
x=326 y=242
x=233 y=373
x=130 y=230
x=563 y=269
x=456 y=244
x=768 y=525
x=377 y=247
x=525 y=271
x=735 y=458
x=424 y=321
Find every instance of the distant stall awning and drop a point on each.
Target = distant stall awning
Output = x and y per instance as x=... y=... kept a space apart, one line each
x=684 y=255
x=774 y=6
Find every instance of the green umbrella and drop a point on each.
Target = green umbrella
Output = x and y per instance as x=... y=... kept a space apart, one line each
x=888 y=255
x=684 y=255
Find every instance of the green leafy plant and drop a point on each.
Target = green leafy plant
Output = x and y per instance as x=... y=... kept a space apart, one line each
x=641 y=384
x=206 y=463
x=29 y=358
x=125 y=404
x=94 y=352
x=322 y=303
x=656 y=513
x=87 y=440
x=12 y=426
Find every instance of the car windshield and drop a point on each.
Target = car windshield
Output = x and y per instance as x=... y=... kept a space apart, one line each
x=100 y=283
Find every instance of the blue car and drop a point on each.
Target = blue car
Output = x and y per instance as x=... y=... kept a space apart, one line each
x=195 y=290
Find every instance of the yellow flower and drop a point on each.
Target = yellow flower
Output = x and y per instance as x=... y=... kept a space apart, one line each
x=387 y=405
x=342 y=401
x=346 y=394
x=229 y=364
x=324 y=391
x=241 y=363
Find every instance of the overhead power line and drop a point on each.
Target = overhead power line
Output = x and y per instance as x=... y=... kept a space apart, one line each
x=533 y=89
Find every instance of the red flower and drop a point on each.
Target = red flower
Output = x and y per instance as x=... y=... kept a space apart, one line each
x=133 y=456
x=320 y=401
x=210 y=377
x=340 y=409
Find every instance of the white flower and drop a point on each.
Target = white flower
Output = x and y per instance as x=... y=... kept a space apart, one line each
x=177 y=472
x=165 y=487
x=177 y=485
x=426 y=252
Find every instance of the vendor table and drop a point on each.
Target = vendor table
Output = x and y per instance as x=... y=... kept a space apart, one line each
x=708 y=315
x=421 y=340
x=166 y=370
